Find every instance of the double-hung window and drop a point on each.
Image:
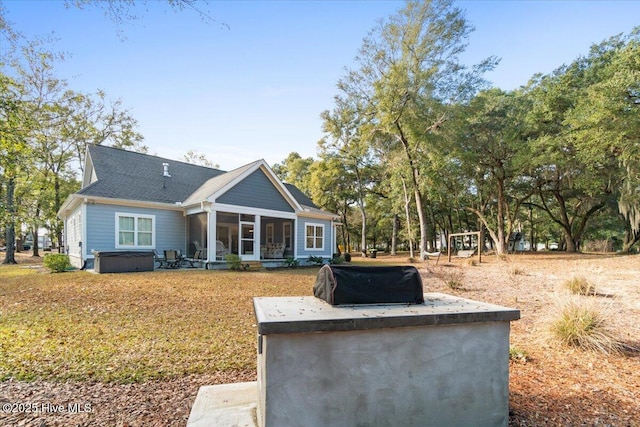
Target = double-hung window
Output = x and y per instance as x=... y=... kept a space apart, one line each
x=314 y=236
x=135 y=231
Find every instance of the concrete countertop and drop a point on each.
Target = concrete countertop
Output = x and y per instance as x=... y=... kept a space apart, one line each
x=285 y=315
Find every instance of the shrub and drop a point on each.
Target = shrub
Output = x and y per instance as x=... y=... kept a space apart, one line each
x=234 y=262
x=516 y=271
x=605 y=245
x=347 y=257
x=582 y=324
x=579 y=285
x=518 y=355
x=317 y=260
x=454 y=282
x=337 y=259
x=453 y=279
x=57 y=263
x=291 y=262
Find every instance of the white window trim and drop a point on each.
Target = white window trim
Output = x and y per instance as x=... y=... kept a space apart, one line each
x=135 y=232
x=315 y=225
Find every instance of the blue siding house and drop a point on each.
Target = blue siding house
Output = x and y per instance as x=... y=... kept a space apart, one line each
x=136 y=202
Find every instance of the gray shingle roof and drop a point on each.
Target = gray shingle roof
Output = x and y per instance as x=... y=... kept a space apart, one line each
x=129 y=175
x=302 y=198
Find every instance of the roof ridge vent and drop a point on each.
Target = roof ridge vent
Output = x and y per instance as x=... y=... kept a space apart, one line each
x=166 y=170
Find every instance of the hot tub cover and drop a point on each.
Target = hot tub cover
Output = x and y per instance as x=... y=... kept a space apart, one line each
x=349 y=285
x=122 y=254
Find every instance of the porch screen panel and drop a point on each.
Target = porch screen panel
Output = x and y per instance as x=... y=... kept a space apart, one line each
x=126 y=227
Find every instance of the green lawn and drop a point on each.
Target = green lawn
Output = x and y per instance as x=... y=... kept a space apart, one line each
x=135 y=326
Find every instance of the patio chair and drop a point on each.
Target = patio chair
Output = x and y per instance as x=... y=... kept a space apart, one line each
x=171 y=258
x=273 y=250
x=197 y=258
x=159 y=259
x=221 y=250
x=181 y=257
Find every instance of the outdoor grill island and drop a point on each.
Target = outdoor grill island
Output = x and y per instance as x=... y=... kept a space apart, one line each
x=441 y=362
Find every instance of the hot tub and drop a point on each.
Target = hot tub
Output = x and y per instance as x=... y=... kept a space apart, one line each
x=123 y=261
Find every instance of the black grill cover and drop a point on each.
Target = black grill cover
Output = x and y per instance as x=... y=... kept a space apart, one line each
x=337 y=284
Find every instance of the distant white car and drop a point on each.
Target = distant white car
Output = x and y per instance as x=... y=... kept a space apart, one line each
x=553 y=246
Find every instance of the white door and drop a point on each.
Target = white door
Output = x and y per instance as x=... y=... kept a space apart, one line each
x=247 y=241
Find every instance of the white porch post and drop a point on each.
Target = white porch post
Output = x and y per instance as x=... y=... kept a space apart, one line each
x=211 y=234
x=84 y=250
x=256 y=238
x=334 y=241
x=294 y=237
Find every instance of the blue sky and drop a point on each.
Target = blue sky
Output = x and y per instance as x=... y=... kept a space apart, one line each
x=256 y=89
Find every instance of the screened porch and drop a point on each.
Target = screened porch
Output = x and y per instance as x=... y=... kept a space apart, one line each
x=252 y=237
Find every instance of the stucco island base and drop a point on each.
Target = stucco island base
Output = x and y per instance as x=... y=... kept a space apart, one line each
x=442 y=363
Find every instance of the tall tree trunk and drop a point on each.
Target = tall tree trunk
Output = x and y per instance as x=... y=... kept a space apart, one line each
x=407 y=211
x=571 y=236
x=394 y=234
x=363 y=230
x=10 y=232
x=363 y=212
x=532 y=243
x=483 y=220
x=57 y=206
x=34 y=233
x=422 y=222
x=345 y=229
x=631 y=237
x=460 y=227
x=569 y=244
x=501 y=244
x=431 y=232
x=415 y=176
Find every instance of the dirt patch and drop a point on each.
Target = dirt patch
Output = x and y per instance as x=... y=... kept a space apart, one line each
x=157 y=403
x=556 y=385
x=551 y=385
